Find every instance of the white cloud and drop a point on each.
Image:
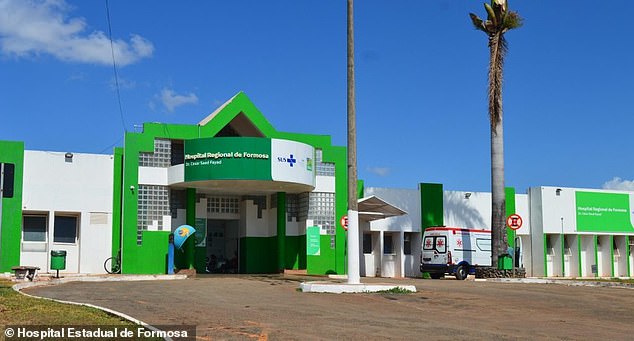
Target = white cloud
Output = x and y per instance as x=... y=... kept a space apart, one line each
x=619 y=184
x=171 y=100
x=34 y=27
x=380 y=171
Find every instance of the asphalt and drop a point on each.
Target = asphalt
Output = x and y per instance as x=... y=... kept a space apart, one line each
x=271 y=307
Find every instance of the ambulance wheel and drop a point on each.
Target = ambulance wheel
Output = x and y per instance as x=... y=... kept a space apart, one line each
x=435 y=275
x=461 y=272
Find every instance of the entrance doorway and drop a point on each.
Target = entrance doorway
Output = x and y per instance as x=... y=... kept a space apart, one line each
x=223 y=246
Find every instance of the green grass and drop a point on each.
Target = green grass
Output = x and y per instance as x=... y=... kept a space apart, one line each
x=18 y=309
x=395 y=290
x=611 y=280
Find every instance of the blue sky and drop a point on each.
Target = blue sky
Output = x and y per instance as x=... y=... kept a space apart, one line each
x=421 y=81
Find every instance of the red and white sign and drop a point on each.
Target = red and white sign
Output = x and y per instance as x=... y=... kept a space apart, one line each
x=344 y=222
x=514 y=221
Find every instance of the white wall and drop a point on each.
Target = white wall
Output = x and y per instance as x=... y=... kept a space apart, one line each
x=522 y=208
x=325 y=184
x=472 y=212
x=257 y=227
x=407 y=200
x=153 y=176
x=397 y=264
x=558 y=211
x=83 y=188
x=537 y=233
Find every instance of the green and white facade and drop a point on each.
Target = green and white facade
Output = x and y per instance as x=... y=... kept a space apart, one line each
x=566 y=232
x=263 y=201
x=228 y=176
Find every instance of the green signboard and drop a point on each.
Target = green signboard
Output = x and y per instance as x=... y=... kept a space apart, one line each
x=603 y=212
x=313 y=241
x=228 y=158
x=201 y=232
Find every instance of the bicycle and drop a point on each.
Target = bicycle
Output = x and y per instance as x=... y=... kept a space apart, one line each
x=112 y=265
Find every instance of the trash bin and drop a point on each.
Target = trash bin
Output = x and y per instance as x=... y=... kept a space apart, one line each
x=58 y=260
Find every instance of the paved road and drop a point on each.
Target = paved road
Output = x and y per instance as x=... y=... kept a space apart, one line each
x=270 y=307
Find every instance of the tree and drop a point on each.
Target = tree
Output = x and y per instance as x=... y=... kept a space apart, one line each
x=353 y=214
x=499 y=21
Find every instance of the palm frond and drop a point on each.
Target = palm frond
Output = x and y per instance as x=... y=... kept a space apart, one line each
x=490 y=14
x=512 y=20
x=477 y=23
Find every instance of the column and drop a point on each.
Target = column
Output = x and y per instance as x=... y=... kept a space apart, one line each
x=281 y=231
x=190 y=244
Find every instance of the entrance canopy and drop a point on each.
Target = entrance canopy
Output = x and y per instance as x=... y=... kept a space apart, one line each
x=246 y=165
x=374 y=208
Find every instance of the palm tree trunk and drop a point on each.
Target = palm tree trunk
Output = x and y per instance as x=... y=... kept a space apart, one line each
x=353 y=214
x=498 y=203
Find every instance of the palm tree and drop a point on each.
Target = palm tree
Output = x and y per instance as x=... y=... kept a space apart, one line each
x=353 y=217
x=499 y=21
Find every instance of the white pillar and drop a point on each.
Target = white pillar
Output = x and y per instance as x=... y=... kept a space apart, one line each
x=401 y=253
x=353 y=247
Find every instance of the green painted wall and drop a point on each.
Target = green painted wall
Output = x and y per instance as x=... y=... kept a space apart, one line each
x=281 y=232
x=295 y=252
x=149 y=257
x=258 y=254
x=612 y=256
x=200 y=259
x=596 y=254
x=12 y=152
x=117 y=203
x=627 y=252
x=603 y=212
x=509 y=194
x=431 y=198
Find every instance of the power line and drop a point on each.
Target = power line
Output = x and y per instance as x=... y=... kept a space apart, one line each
x=114 y=67
x=110 y=146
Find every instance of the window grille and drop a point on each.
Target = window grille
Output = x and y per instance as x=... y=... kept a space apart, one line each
x=223 y=204
x=323 y=168
x=292 y=207
x=161 y=157
x=321 y=210
x=178 y=200
x=154 y=203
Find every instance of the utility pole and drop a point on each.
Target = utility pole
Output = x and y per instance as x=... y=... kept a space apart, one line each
x=353 y=214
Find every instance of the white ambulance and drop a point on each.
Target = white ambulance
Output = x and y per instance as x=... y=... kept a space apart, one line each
x=456 y=251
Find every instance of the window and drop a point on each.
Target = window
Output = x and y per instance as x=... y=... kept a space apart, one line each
x=154 y=204
x=483 y=244
x=292 y=207
x=321 y=209
x=367 y=243
x=34 y=228
x=217 y=204
x=429 y=243
x=323 y=168
x=160 y=157
x=65 y=230
x=388 y=246
x=438 y=243
x=8 y=171
x=407 y=243
x=441 y=244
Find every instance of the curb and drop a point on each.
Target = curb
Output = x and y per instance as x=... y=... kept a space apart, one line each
x=18 y=288
x=341 y=288
x=562 y=282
